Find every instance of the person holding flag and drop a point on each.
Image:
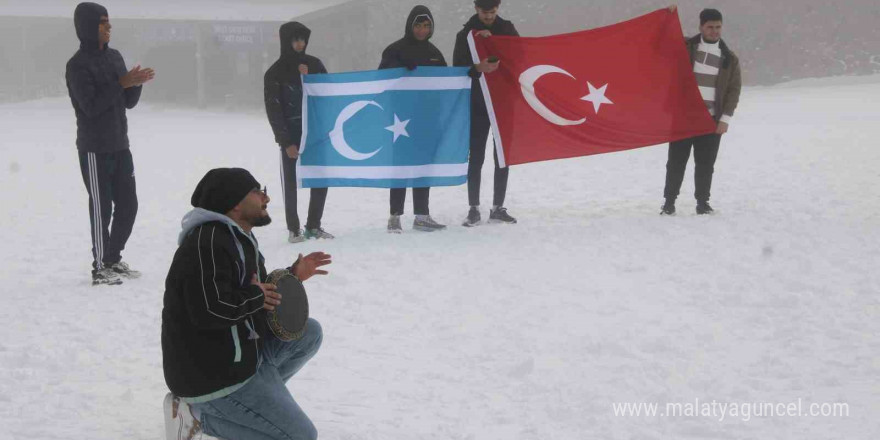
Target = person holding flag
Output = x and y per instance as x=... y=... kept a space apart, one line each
x=283 y=95
x=405 y=125
x=411 y=51
x=487 y=22
x=718 y=77
x=545 y=104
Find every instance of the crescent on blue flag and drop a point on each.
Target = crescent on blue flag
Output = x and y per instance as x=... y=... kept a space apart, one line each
x=391 y=128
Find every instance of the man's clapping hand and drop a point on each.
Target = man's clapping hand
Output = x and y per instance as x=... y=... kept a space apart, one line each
x=136 y=76
x=305 y=267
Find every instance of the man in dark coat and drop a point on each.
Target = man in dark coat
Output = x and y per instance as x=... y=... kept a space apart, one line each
x=718 y=75
x=283 y=94
x=487 y=22
x=101 y=89
x=411 y=51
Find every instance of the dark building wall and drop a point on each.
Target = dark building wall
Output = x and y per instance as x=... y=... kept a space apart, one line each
x=221 y=63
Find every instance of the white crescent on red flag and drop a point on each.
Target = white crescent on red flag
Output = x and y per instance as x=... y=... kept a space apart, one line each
x=608 y=89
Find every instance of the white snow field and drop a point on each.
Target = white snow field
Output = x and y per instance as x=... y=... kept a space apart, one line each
x=530 y=331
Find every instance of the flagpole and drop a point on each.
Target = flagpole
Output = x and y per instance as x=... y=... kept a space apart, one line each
x=304 y=120
x=487 y=98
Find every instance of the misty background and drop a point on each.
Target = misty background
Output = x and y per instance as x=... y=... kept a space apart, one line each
x=213 y=53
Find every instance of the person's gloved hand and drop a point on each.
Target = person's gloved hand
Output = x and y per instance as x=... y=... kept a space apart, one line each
x=410 y=65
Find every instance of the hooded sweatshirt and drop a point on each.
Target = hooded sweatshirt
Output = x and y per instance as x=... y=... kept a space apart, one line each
x=461 y=55
x=98 y=99
x=282 y=85
x=212 y=314
x=408 y=51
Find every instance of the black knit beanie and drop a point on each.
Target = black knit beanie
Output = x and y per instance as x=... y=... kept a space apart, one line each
x=487 y=4
x=223 y=188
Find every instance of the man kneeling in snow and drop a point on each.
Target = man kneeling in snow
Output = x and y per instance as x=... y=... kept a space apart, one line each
x=226 y=373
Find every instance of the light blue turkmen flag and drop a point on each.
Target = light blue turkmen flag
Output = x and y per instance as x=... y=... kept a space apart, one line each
x=391 y=128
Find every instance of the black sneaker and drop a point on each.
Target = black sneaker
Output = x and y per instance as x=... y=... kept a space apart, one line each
x=703 y=208
x=427 y=224
x=105 y=276
x=473 y=217
x=125 y=271
x=500 y=215
x=668 y=208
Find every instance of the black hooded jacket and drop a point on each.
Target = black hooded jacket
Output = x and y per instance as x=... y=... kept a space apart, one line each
x=282 y=85
x=461 y=55
x=212 y=315
x=99 y=101
x=409 y=52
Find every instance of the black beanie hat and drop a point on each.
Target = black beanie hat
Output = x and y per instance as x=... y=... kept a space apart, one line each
x=223 y=188
x=487 y=4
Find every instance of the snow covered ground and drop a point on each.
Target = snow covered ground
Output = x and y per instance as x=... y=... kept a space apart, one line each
x=531 y=331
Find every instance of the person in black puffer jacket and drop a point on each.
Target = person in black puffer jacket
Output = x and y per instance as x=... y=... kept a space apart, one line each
x=411 y=51
x=282 y=89
x=101 y=89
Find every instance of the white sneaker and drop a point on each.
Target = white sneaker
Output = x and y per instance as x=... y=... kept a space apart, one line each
x=179 y=421
x=295 y=236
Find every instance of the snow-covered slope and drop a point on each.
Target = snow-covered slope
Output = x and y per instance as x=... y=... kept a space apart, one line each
x=529 y=331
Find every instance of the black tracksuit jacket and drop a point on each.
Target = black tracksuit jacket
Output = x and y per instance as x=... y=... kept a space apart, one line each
x=212 y=314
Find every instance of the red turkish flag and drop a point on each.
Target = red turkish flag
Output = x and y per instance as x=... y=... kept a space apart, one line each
x=614 y=88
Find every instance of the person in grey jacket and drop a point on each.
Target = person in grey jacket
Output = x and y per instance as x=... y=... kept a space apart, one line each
x=101 y=89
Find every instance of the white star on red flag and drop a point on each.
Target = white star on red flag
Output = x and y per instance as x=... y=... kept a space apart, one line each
x=597 y=96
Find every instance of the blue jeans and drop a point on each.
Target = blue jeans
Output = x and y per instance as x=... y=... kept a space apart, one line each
x=264 y=409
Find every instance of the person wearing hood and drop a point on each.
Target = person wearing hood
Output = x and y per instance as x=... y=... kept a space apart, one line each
x=487 y=22
x=411 y=51
x=282 y=90
x=226 y=370
x=101 y=89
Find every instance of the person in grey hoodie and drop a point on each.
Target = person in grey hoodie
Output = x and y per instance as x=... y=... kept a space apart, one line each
x=226 y=370
x=101 y=89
